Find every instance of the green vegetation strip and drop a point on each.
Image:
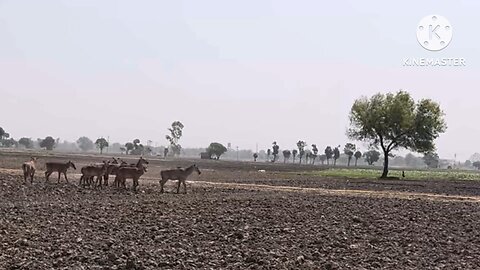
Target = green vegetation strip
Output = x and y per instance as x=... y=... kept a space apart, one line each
x=409 y=174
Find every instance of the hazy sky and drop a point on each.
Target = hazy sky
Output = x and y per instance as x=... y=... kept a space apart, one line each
x=244 y=72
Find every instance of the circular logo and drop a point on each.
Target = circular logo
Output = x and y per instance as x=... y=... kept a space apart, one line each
x=434 y=32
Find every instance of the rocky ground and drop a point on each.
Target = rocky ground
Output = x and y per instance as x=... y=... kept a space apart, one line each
x=61 y=226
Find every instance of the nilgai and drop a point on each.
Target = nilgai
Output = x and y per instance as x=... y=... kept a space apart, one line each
x=58 y=167
x=113 y=170
x=177 y=174
x=90 y=171
x=133 y=173
x=29 y=168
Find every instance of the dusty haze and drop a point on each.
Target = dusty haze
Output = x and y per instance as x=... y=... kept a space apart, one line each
x=244 y=72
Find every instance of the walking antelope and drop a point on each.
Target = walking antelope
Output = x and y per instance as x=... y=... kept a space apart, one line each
x=90 y=171
x=58 y=167
x=29 y=168
x=133 y=173
x=177 y=174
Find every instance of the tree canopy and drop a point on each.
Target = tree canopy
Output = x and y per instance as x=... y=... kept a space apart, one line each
x=48 y=143
x=26 y=142
x=371 y=156
x=286 y=155
x=336 y=155
x=391 y=121
x=215 y=150
x=85 y=144
x=176 y=132
x=301 y=150
x=349 y=150
x=476 y=164
x=431 y=159
x=357 y=155
x=101 y=143
x=3 y=134
x=275 y=149
x=328 y=153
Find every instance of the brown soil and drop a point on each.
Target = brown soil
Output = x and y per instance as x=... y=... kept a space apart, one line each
x=238 y=218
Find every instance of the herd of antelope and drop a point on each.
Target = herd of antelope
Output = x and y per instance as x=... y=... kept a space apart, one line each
x=97 y=174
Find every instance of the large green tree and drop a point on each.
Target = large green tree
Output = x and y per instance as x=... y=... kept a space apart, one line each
x=394 y=120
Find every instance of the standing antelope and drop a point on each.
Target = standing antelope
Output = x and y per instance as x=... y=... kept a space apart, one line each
x=90 y=171
x=29 y=168
x=113 y=168
x=141 y=165
x=178 y=174
x=58 y=167
x=129 y=172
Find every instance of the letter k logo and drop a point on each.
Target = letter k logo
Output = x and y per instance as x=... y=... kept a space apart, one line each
x=434 y=32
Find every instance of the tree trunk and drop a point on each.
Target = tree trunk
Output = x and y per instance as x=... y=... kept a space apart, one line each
x=385 y=166
x=348 y=163
x=356 y=159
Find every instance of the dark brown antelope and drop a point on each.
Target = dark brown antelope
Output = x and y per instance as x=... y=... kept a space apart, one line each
x=133 y=173
x=177 y=174
x=29 y=169
x=58 y=167
x=90 y=171
x=113 y=170
x=111 y=166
